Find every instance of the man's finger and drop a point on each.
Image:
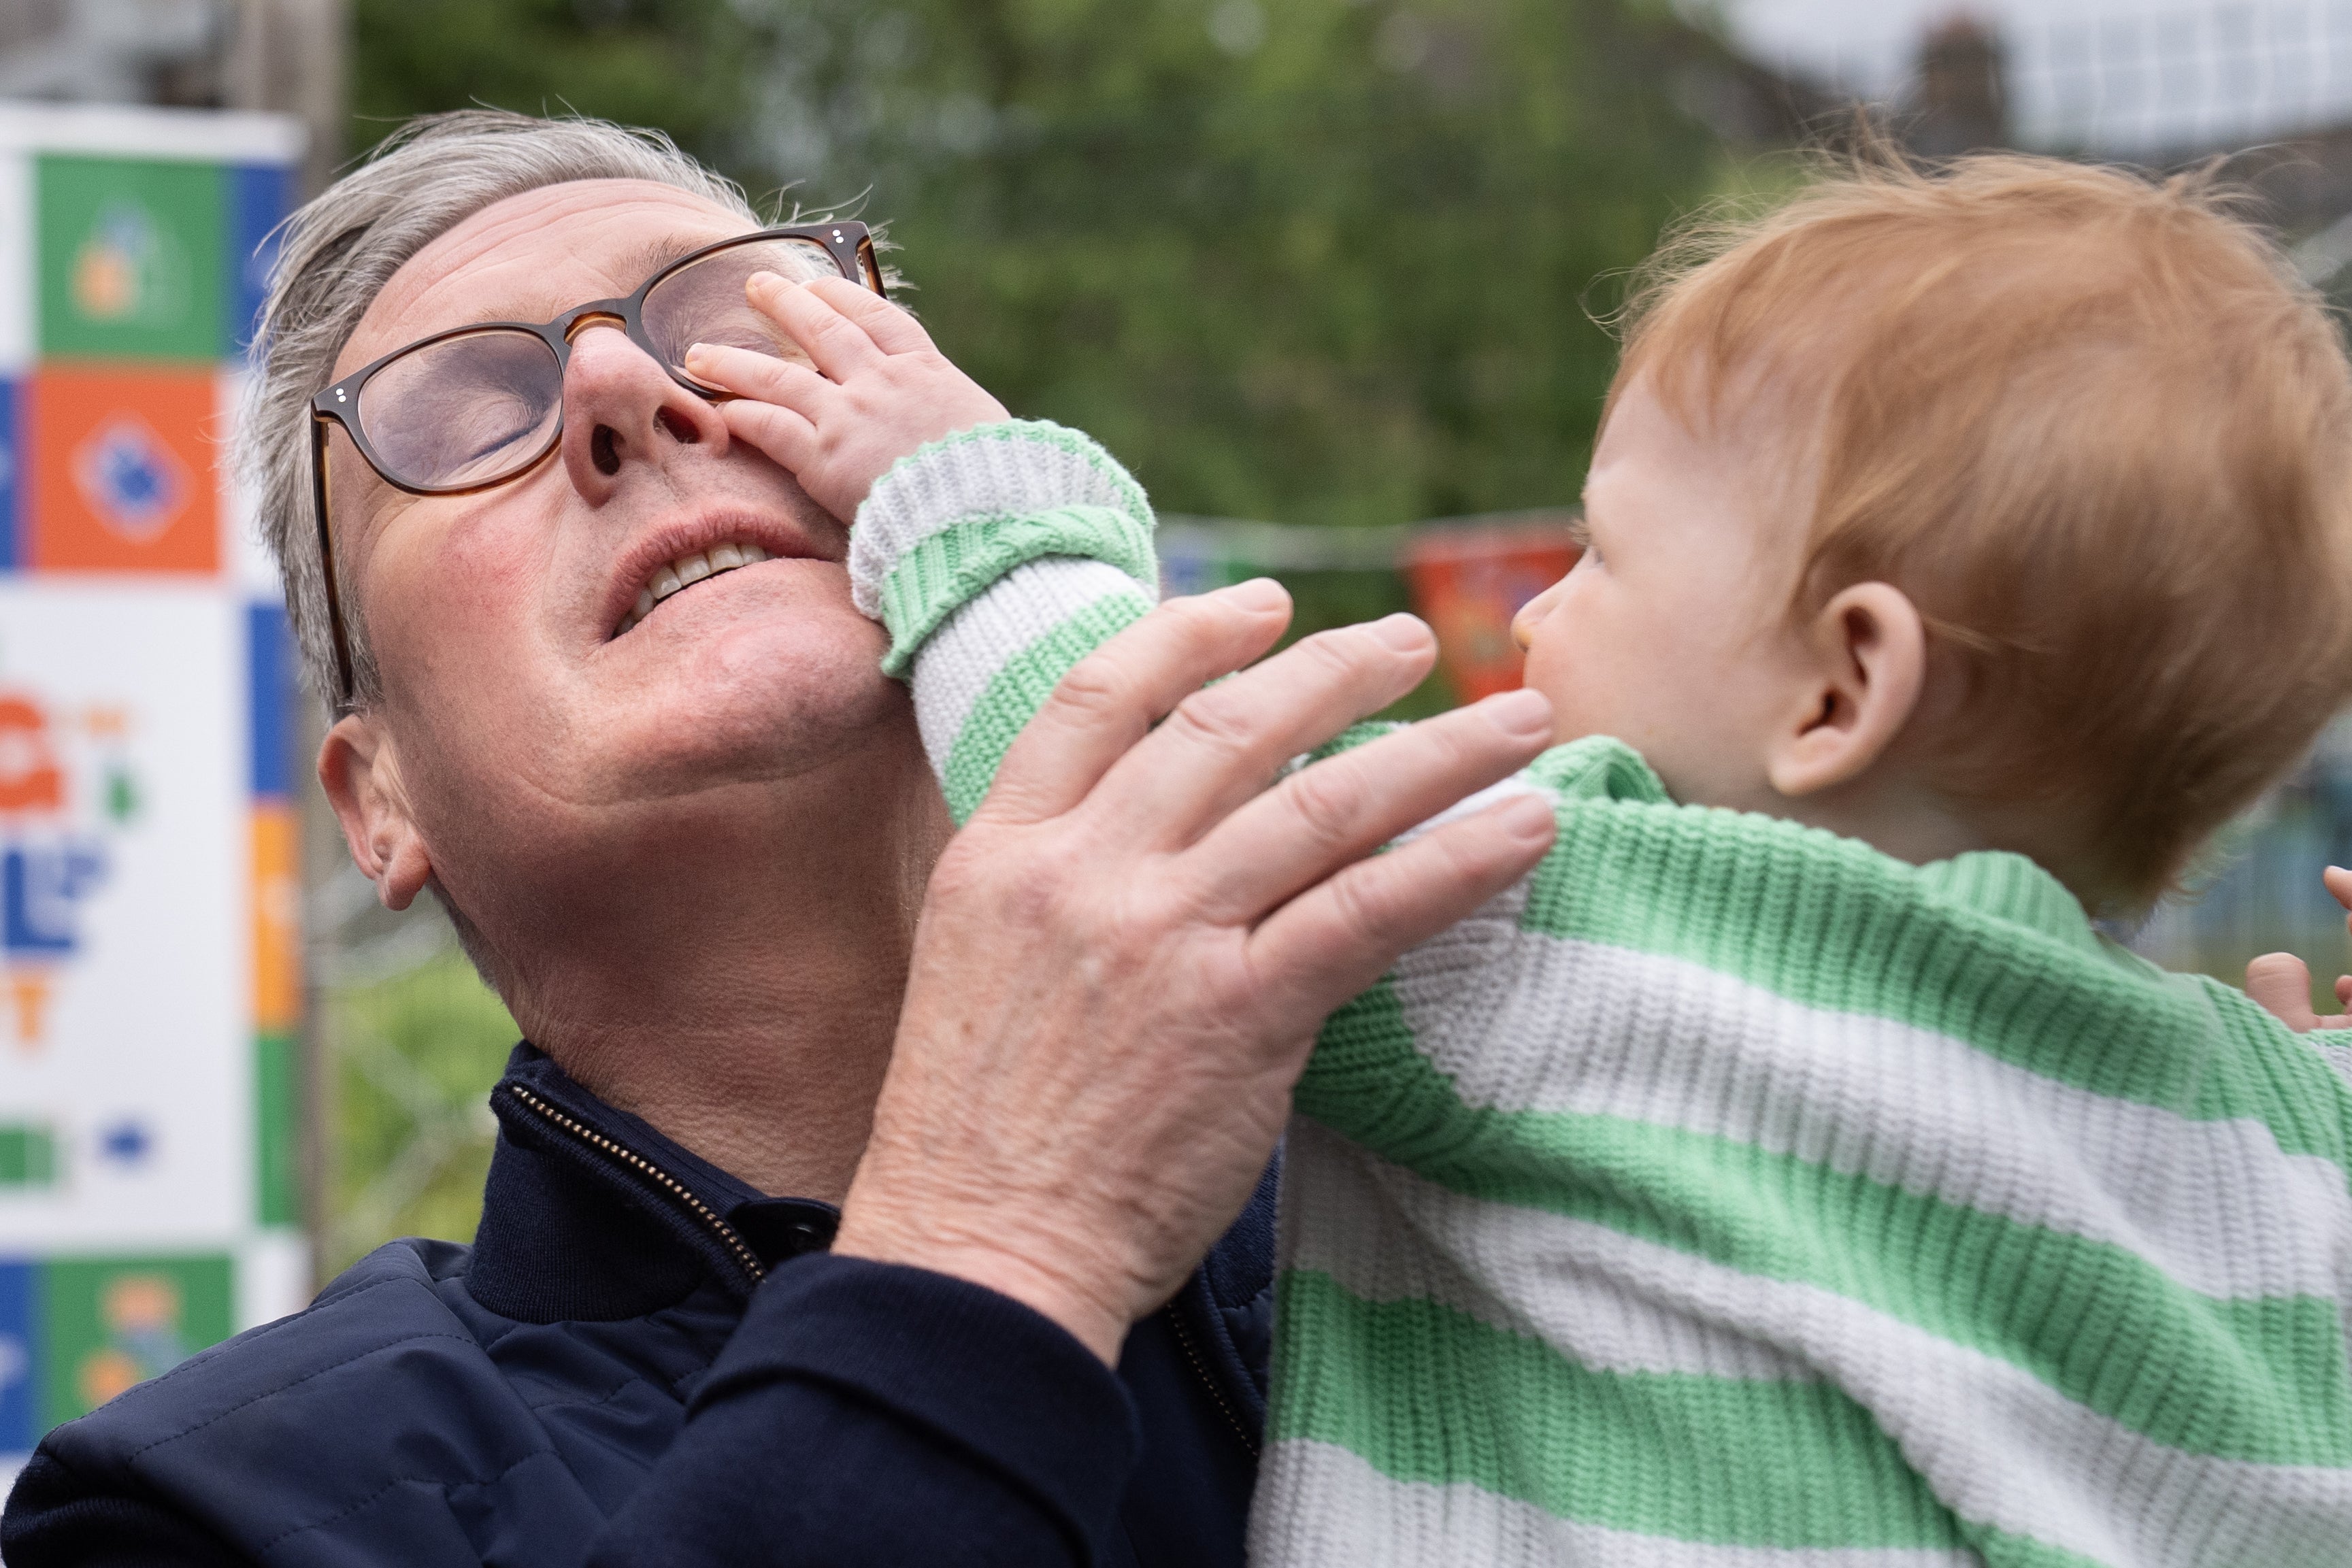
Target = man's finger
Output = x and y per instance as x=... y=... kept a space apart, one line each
x=1345 y=806
x=1333 y=940
x=892 y=328
x=836 y=345
x=1225 y=745
x=1114 y=695
x=2280 y=982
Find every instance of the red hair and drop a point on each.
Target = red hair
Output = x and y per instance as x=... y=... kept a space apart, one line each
x=2096 y=429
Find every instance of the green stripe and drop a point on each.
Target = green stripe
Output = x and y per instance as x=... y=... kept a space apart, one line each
x=1015 y=692
x=2263 y=1381
x=276 y=1179
x=1831 y=922
x=943 y=572
x=1669 y=1454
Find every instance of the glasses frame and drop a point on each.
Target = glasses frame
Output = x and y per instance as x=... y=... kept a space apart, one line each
x=851 y=245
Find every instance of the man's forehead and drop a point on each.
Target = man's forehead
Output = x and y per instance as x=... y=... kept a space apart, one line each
x=529 y=256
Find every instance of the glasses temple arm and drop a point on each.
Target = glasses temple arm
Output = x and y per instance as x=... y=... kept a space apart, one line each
x=344 y=682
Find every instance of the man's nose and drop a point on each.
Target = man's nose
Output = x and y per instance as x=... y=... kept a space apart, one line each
x=620 y=406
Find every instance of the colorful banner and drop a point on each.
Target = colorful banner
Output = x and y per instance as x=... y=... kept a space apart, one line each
x=149 y=977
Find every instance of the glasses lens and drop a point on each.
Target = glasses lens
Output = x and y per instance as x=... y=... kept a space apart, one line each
x=464 y=411
x=705 y=303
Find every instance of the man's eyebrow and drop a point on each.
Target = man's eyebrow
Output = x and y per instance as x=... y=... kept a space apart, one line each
x=642 y=261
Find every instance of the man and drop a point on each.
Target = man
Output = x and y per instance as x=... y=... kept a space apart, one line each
x=815 y=1234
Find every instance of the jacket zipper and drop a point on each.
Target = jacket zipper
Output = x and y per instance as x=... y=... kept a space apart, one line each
x=699 y=1209
x=1200 y=1368
x=727 y=1234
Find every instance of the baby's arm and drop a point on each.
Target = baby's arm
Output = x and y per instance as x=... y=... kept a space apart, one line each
x=996 y=553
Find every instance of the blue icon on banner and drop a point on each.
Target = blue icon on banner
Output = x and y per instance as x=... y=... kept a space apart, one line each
x=129 y=479
x=127 y=1143
x=18 y=1356
x=13 y=457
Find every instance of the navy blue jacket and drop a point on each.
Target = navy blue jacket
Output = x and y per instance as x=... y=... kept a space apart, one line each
x=642 y=1361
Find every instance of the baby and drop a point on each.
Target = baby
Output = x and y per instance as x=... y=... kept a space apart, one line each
x=1788 y=1171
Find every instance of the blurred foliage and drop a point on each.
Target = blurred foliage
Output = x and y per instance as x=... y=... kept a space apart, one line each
x=1320 y=260
x=681 y=65
x=414 y=1058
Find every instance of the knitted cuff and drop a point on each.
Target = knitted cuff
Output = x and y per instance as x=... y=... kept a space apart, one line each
x=960 y=512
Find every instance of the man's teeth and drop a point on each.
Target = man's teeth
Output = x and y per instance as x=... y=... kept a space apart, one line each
x=687 y=571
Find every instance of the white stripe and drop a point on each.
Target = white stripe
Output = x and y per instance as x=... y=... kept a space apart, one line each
x=1317 y=1504
x=1523 y=1021
x=1337 y=1222
x=994 y=476
x=2339 y=1057
x=1994 y=1443
x=954 y=666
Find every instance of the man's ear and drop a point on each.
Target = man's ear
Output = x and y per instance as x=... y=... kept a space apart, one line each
x=360 y=772
x=1868 y=665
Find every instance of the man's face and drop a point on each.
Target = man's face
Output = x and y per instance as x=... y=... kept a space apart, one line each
x=518 y=704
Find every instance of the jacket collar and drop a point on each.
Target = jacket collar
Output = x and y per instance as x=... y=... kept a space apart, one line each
x=590 y=1214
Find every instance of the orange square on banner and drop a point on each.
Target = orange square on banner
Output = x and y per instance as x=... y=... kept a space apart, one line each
x=123 y=470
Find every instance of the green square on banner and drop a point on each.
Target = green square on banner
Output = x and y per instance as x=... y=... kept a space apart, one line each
x=109 y=1323
x=131 y=262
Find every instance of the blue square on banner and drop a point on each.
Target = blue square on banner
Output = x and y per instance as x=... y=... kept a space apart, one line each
x=19 y=1354
x=259 y=196
x=269 y=646
x=13 y=458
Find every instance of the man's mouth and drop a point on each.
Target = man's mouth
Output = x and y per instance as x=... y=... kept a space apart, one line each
x=675 y=577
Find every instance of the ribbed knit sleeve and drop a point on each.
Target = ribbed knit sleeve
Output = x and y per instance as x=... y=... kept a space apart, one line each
x=996 y=558
x=1729 y=1193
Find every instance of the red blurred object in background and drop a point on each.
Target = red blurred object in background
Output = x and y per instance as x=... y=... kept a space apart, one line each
x=1469 y=576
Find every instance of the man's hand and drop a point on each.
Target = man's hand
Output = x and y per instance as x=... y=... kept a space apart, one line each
x=1126 y=952
x=2281 y=982
x=883 y=390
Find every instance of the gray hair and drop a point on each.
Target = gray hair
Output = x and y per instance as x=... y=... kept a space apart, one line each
x=341 y=249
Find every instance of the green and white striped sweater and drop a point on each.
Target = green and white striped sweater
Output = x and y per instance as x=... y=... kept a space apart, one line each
x=1728 y=1193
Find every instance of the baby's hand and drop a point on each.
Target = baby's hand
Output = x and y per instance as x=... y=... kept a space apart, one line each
x=883 y=390
x=2281 y=982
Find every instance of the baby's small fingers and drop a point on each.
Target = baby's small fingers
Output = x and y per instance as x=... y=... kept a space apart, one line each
x=755 y=375
x=785 y=436
x=2344 y=991
x=836 y=344
x=2339 y=882
x=2280 y=984
x=893 y=330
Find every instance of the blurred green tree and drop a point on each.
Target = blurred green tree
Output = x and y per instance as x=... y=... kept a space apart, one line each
x=1317 y=261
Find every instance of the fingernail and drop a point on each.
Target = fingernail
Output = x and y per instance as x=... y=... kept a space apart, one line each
x=1258 y=593
x=1522 y=712
x=1405 y=634
x=698 y=351
x=1528 y=818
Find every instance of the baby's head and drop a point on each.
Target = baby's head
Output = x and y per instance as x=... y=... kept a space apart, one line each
x=2004 y=508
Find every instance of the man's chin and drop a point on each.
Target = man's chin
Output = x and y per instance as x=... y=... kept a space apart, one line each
x=758 y=706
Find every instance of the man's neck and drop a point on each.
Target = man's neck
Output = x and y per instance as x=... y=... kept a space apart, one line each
x=741 y=990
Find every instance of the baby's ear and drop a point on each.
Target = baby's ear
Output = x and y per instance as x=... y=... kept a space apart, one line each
x=1865 y=665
